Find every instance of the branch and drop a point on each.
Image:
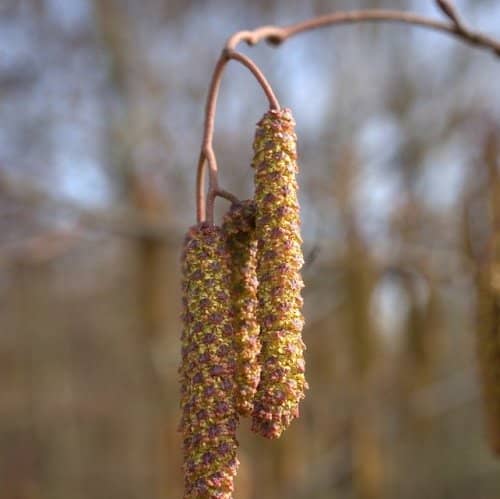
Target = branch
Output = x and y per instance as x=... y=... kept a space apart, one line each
x=207 y=154
x=248 y=63
x=450 y=11
x=276 y=35
x=119 y=223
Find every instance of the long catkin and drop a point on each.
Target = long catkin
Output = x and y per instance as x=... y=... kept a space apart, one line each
x=239 y=227
x=209 y=418
x=488 y=340
x=282 y=382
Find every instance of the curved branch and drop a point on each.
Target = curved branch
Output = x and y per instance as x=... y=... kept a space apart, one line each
x=450 y=11
x=276 y=35
x=206 y=145
x=212 y=195
x=200 y=189
x=266 y=87
x=207 y=154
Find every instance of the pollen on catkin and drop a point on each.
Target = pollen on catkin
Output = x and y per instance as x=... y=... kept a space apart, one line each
x=239 y=227
x=277 y=220
x=209 y=417
x=488 y=341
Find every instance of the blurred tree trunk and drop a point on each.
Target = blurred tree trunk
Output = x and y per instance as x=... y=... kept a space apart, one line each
x=156 y=262
x=488 y=297
x=360 y=279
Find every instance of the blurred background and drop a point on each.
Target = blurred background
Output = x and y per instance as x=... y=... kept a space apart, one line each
x=101 y=112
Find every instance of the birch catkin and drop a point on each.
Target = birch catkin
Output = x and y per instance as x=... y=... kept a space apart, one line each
x=209 y=418
x=488 y=341
x=239 y=226
x=279 y=261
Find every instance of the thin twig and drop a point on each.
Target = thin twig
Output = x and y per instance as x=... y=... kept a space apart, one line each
x=212 y=195
x=207 y=154
x=246 y=61
x=200 y=188
x=123 y=223
x=208 y=135
x=228 y=196
x=277 y=35
x=450 y=11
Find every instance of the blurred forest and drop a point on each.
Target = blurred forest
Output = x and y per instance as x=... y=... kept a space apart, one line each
x=101 y=112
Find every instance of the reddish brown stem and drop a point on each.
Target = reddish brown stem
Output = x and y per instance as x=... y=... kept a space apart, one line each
x=200 y=189
x=204 y=209
x=206 y=146
x=212 y=195
x=246 y=61
x=277 y=35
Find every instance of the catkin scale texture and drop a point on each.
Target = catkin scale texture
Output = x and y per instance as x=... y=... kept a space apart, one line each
x=488 y=341
x=239 y=227
x=209 y=418
x=282 y=383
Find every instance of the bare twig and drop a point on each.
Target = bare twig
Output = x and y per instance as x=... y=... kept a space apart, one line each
x=277 y=35
x=207 y=154
x=126 y=224
x=246 y=61
x=450 y=11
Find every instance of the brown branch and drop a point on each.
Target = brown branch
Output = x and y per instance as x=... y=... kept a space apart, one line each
x=128 y=224
x=200 y=188
x=246 y=61
x=276 y=35
x=206 y=145
x=450 y=11
x=212 y=195
x=227 y=195
x=204 y=209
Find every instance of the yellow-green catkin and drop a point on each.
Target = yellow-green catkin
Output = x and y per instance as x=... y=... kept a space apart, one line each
x=277 y=220
x=209 y=417
x=239 y=227
x=488 y=340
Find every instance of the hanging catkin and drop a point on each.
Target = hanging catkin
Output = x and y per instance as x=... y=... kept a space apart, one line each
x=279 y=261
x=209 y=418
x=239 y=226
x=488 y=340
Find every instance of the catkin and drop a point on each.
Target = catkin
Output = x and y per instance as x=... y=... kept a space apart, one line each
x=209 y=418
x=239 y=227
x=488 y=341
x=282 y=383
